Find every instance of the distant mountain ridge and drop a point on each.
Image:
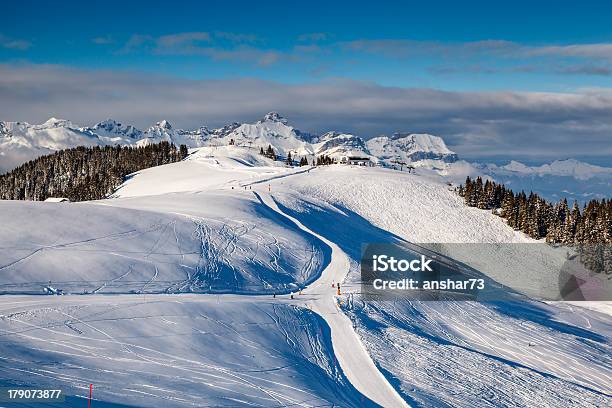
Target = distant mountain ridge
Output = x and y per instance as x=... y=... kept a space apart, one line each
x=21 y=141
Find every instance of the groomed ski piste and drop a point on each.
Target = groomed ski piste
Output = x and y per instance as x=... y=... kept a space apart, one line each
x=177 y=293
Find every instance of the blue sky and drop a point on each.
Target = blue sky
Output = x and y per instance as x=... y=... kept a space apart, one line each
x=313 y=40
x=521 y=49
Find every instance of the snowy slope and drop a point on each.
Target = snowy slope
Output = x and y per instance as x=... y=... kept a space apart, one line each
x=489 y=354
x=379 y=205
x=168 y=351
x=215 y=222
x=211 y=242
x=440 y=352
x=206 y=168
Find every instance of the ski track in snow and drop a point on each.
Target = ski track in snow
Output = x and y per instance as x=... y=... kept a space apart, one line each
x=348 y=349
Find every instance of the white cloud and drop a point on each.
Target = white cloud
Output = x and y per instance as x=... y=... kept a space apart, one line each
x=599 y=50
x=103 y=40
x=15 y=44
x=182 y=42
x=518 y=124
x=313 y=37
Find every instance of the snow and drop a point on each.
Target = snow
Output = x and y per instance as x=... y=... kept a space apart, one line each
x=489 y=355
x=440 y=352
x=114 y=131
x=276 y=133
x=214 y=242
x=570 y=167
x=228 y=220
x=572 y=179
x=338 y=145
x=352 y=356
x=55 y=122
x=205 y=169
x=410 y=148
x=170 y=351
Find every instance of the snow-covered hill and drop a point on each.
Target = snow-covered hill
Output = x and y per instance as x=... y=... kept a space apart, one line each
x=173 y=228
x=227 y=219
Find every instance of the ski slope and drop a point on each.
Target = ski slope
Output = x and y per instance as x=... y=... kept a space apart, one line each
x=172 y=351
x=489 y=354
x=352 y=356
x=227 y=220
x=381 y=205
x=218 y=241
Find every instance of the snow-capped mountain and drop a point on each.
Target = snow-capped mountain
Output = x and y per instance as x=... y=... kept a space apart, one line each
x=562 y=168
x=54 y=134
x=21 y=141
x=115 y=131
x=411 y=148
x=570 y=178
x=336 y=145
x=272 y=129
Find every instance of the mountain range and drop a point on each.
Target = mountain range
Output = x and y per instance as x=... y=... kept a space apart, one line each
x=21 y=141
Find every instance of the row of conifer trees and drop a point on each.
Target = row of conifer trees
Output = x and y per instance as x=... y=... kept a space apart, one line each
x=84 y=173
x=539 y=218
x=588 y=229
x=319 y=161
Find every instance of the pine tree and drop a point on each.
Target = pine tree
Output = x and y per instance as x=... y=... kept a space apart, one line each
x=183 y=151
x=270 y=153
